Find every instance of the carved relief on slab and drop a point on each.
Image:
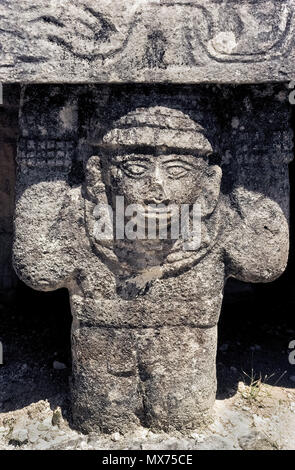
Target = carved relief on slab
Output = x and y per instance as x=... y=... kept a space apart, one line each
x=252 y=32
x=152 y=34
x=84 y=29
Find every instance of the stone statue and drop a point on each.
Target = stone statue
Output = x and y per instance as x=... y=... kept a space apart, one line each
x=145 y=310
x=162 y=344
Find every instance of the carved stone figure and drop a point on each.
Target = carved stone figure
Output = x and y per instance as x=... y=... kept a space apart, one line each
x=145 y=311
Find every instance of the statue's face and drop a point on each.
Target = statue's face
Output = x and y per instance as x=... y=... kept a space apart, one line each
x=146 y=160
x=161 y=177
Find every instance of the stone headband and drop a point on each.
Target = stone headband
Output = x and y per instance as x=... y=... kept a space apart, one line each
x=157 y=127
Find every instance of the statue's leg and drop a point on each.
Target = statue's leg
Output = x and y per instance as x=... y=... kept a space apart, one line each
x=105 y=382
x=178 y=373
x=164 y=378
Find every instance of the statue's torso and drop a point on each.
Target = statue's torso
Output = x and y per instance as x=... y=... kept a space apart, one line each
x=190 y=298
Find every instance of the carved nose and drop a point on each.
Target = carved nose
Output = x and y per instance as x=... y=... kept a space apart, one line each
x=157 y=195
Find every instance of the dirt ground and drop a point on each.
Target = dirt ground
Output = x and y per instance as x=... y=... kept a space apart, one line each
x=255 y=406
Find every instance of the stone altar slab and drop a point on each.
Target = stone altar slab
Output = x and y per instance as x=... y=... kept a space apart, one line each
x=114 y=41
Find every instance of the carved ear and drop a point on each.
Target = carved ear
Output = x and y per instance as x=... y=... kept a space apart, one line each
x=95 y=186
x=211 y=190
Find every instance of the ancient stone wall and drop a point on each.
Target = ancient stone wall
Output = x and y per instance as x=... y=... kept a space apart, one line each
x=8 y=138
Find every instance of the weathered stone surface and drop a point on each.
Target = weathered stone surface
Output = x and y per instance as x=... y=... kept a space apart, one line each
x=182 y=41
x=145 y=314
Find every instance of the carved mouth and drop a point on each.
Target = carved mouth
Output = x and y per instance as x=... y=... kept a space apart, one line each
x=157 y=216
x=160 y=214
x=161 y=210
x=158 y=208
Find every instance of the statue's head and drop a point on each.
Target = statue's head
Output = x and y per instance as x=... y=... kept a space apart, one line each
x=155 y=156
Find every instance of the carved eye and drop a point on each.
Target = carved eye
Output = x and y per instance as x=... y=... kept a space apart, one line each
x=134 y=169
x=178 y=168
x=177 y=171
